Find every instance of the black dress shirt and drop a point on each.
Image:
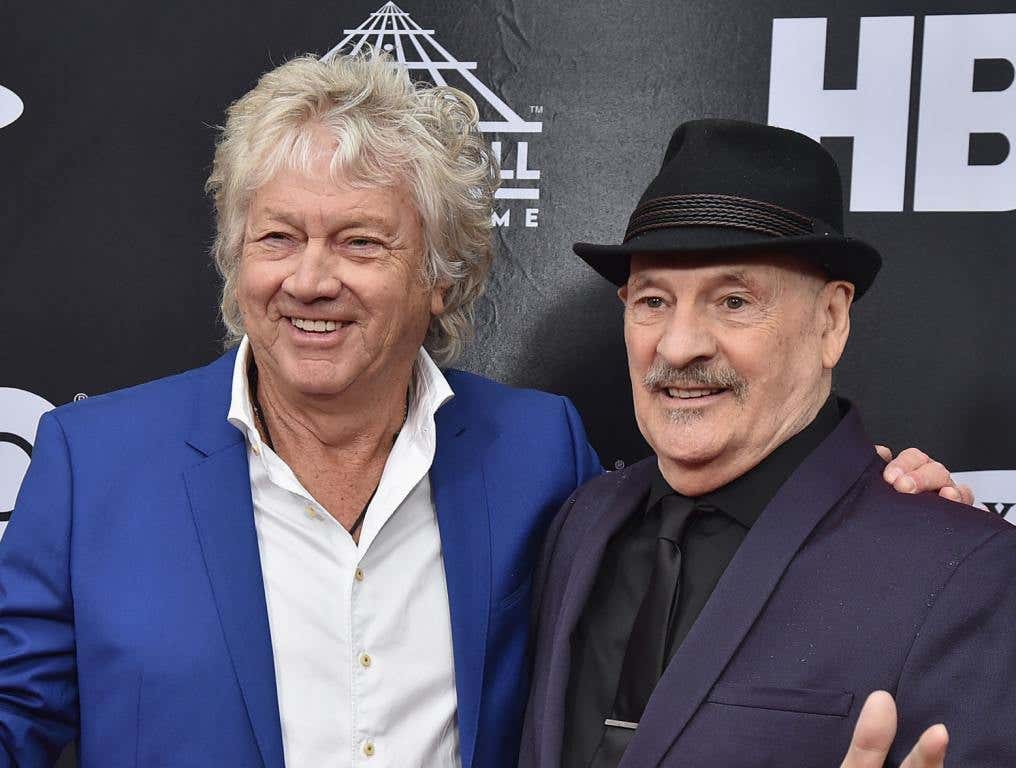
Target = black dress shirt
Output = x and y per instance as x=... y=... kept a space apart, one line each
x=722 y=520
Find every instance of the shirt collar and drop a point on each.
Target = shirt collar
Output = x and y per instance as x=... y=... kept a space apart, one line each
x=241 y=410
x=429 y=391
x=744 y=497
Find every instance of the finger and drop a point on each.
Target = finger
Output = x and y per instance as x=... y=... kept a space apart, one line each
x=906 y=462
x=966 y=494
x=929 y=752
x=952 y=493
x=884 y=452
x=959 y=493
x=932 y=476
x=873 y=734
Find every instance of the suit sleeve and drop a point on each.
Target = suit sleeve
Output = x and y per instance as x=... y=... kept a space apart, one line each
x=961 y=670
x=38 y=681
x=587 y=463
x=587 y=466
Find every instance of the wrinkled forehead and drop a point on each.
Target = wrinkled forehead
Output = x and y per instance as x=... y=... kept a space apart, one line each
x=317 y=203
x=757 y=272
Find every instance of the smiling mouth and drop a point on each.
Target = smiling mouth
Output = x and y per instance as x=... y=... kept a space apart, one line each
x=679 y=393
x=318 y=326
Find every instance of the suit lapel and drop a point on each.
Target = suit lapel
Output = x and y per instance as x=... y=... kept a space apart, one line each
x=460 y=499
x=600 y=524
x=741 y=594
x=220 y=496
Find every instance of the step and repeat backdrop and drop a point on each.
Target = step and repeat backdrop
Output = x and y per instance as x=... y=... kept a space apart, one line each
x=107 y=113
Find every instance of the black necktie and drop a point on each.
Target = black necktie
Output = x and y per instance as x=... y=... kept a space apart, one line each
x=646 y=651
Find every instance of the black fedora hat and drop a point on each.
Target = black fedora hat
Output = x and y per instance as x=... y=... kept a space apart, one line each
x=734 y=187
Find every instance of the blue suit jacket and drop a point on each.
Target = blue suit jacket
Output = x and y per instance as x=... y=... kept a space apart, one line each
x=841 y=587
x=132 y=609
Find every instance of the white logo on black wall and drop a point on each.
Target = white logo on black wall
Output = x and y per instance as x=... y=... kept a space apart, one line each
x=11 y=106
x=995 y=490
x=964 y=156
x=393 y=30
x=20 y=412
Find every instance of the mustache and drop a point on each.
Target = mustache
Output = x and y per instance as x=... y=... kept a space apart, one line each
x=661 y=375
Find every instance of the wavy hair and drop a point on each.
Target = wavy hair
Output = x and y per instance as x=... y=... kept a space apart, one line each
x=386 y=130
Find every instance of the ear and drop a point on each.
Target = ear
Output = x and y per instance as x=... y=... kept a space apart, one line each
x=437 y=299
x=834 y=302
x=622 y=293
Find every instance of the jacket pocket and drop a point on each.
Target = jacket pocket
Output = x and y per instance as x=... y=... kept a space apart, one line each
x=810 y=701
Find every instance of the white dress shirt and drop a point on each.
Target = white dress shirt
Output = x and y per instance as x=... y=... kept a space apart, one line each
x=361 y=632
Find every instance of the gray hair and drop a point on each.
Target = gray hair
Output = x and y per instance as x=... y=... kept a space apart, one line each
x=387 y=131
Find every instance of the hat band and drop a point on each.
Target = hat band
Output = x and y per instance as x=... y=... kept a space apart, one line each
x=717 y=211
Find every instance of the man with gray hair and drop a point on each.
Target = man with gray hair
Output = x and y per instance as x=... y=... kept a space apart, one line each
x=317 y=550
x=735 y=599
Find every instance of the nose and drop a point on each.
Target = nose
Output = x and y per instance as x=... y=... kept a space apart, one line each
x=687 y=337
x=317 y=273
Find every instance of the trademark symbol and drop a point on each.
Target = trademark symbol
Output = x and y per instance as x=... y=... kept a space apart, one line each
x=80 y=396
x=536 y=109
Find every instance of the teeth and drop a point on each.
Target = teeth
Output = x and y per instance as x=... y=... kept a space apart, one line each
x=315 y=326
x=691 y=394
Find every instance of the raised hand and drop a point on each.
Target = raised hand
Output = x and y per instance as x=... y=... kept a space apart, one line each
x=874 y=734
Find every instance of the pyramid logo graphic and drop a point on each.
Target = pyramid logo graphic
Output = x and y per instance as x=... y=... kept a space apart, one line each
x=391 y=29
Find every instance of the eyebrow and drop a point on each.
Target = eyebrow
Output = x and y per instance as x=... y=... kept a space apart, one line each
x=738 y=276
x=362 y=219
x=275 y=215
x=639 y=282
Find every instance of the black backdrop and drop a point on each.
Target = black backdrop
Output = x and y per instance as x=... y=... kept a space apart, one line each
x=105 y=279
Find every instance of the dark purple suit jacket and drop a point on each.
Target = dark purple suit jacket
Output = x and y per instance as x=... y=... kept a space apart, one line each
x=843 y=586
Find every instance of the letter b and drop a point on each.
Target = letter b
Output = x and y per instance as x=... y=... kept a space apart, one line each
x=951 y=111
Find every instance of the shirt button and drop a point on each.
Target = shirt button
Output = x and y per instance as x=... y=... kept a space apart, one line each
x=368 y=748
x=312 y=513
x=365 y=660
x=254 y=447
x=359 y=574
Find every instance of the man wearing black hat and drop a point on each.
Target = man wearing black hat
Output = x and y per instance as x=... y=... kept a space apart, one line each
x=734 y=599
